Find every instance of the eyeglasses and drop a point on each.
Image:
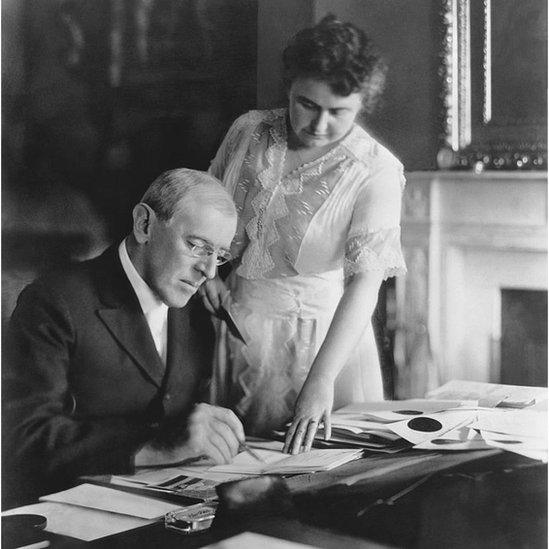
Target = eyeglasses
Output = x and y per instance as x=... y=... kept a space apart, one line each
x=201 y=249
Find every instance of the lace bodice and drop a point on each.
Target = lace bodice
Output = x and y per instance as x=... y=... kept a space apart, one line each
x=341 y=210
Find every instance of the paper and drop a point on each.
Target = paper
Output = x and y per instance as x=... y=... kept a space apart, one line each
x=277 y=462
x=535 y=448
x=523 y=423
x=463 y=438
x=251 y=540
x=490 y=394
x=396 y=410
x=114 y=501
x=433 y=426
x=199 y=484
x=349 y=423
x=151 y=477
x=80 y=522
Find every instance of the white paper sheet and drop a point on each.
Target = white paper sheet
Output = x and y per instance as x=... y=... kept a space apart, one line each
x=80 y=522
x=360 y=425
x=112 y=500
x=523 y=423
x=251 y=540
x=276 y=462
x=396 y=410
x=490 y=394
x=532 y=447
x=446 y=421
x=459 y=439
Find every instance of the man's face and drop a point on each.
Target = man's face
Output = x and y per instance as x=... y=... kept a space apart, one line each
x=318 y=116
x=168 y=266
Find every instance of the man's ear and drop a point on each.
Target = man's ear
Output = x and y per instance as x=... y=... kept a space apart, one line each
x=143 y=217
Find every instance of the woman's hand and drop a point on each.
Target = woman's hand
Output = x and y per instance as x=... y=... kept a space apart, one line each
x=213 y=293
x=313 y=406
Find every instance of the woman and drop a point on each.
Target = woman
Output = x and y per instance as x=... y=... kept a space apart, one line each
x=319 y=208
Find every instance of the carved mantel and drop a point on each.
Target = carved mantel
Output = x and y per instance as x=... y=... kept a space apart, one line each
x=465 y=236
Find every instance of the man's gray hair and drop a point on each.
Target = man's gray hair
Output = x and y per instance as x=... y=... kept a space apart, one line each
x=171 y=189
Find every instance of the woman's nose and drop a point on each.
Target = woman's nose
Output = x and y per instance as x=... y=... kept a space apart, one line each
x=320 y=123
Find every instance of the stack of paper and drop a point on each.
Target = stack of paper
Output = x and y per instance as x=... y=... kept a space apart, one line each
x=198 y=482
x=428 y=424
x=491 y=395
x=391 y=426
x=80 y=522
x=90 y=512
x=271 y=461
x=113 y=501
x=523 y=432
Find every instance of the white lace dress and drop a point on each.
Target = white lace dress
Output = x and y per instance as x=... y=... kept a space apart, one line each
x=299 y=238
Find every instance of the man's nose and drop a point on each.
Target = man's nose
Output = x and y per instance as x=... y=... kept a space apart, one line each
x=320 y=123
x=208 y=265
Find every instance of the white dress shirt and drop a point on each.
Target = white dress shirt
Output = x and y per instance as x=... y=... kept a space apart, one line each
x=155 y=311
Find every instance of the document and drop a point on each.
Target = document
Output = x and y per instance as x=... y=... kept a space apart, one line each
x=396 y=410
x=206 y=476
x=524 y=423
x=520 y=431
x=425 y=428
x=460 y=439
x=490 y=394
x=80 y=522
x=275 y=462
x=197 y=484
x=114 y=501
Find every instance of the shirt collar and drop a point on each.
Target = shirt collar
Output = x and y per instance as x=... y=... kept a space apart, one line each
x=148 y=301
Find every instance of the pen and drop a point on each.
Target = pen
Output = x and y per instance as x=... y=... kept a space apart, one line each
x=245 y=448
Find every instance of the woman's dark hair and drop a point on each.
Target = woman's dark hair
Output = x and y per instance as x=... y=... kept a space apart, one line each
x=339 y=54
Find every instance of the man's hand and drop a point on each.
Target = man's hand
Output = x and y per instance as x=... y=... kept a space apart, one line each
x=313 y=406
x=212 y=432
x=213 y=293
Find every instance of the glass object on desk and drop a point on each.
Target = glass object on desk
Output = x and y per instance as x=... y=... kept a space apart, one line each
x=195 y=518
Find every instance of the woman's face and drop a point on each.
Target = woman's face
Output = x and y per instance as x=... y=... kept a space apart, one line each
x=318 y=116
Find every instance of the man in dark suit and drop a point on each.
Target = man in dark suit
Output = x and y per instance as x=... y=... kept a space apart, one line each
x=105 y=362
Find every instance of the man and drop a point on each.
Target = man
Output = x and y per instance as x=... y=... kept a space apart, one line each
x=105 y=361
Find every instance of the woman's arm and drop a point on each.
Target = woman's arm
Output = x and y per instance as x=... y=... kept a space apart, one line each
x=315 y=401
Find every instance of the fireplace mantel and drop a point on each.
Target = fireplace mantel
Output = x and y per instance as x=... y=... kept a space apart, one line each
x=465 y=236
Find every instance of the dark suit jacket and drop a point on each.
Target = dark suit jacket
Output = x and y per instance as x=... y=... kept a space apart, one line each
x=83 y=384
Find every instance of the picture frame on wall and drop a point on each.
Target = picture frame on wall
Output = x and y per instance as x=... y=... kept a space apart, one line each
x=494 y=84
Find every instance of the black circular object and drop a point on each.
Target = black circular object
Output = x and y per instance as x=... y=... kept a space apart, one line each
x=408 y=412
x=24 y=522
x=424 y=424
x=23 y=530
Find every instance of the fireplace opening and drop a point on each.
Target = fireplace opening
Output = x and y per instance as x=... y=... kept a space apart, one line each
x=524 y=337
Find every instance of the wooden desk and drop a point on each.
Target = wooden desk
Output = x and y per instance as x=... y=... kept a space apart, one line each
x=465 y=501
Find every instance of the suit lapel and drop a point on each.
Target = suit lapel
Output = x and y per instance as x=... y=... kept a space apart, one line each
x=122 y=315
x=131 y=330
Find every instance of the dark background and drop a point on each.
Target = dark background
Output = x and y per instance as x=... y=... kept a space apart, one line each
x=100 y=96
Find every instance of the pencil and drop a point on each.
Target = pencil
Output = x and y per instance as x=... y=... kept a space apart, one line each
x=245 y=448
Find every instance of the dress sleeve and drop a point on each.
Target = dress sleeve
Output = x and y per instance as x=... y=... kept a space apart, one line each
x=373 y=241
x=232 y=149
